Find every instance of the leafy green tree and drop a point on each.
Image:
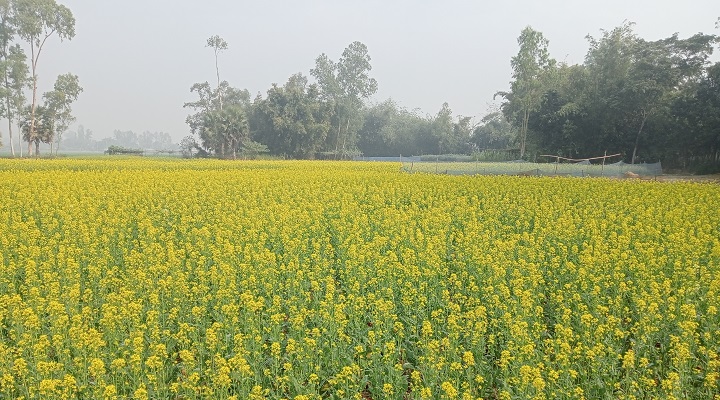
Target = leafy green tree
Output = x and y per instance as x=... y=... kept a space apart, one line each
x=294 y=119
x=390 y=130
x=206 y=103
x=695 y=122
x=462 y=132
x=532 y=68
x=494 y=132
x=234 y=129
x=347 y=84
x=7 y=31
x=54 y=116
x=37 y=129
x=202 y=105
x=221 y=129
x=13 y=64
x=706 y=115
x=560 y=123
x=442 y=127
x=378 y=134
x=608 y=61
x=188 y=145
x=660 y=69
x=627 y=97
x=37 y=21
x=15 y=81
x=59 y=106
x=632 y=84
x=451 y=137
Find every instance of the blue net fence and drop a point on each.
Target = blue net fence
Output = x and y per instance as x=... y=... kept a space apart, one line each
x=581 y=169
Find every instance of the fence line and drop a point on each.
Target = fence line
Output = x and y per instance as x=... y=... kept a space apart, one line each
x=619 y=169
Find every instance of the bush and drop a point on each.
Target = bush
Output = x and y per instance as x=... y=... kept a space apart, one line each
x=112 y=150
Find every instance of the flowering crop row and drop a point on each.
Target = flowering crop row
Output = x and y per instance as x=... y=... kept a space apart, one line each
x=137 y=279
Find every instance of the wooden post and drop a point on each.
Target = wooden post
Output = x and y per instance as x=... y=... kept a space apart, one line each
x=602 y=169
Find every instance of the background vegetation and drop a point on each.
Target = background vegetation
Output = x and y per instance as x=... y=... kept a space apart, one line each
x=647 y=100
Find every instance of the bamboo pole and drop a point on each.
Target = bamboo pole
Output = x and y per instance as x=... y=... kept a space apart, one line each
x=581 y=159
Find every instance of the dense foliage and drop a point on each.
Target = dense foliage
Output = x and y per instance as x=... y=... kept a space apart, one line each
x=134 y=278
x=29 y=24
x=647 y=100
x=327 y=118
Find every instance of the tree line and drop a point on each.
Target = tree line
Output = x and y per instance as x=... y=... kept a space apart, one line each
x=81 y=139
x=647 y=100
x=30 y=24
x=327 y=118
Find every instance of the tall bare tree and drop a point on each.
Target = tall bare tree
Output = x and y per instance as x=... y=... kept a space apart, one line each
x=218 y=45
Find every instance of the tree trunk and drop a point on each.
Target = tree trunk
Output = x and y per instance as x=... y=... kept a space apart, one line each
x=217 y=71
x=347 y=129
x=523 y=131
x=7 y=90
x=637 y=138
x=9 y=117
x=12 y=145
x=337 y=140
x=37 y=148
x=32 y=113
x=32 y=116
x=34 y=101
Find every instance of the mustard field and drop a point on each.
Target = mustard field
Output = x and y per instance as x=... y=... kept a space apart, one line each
x=176 y=279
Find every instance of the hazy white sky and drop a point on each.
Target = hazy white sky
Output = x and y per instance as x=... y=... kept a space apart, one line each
x=137 y=59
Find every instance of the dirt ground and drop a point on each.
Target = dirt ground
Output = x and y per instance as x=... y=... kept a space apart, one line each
x=692 y=178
